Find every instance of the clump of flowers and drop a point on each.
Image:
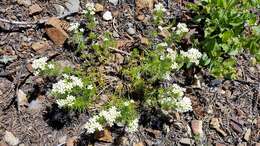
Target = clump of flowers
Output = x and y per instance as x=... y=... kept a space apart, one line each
x=158 y=13
x=40 y=65
x=74 y=27
x=90 y=9
x=181 y=29
x=122 y=113
x=69 y=101
x=172 y=98
x=193 y=55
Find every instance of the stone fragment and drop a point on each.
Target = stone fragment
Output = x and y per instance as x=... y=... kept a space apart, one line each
x=34 y=9
x=123 y=141
x=219 y=144
x=26 y=3
x=131 y=31
x=71 y=141
x=236 y=127
x=144 y=40
x=55 y=31
x=107 y=16
x=11 y=139
x=40 y=47
x=247 y=135
x=153 y=133
x=21 y=98
x=186 y=141
x=99 y=7
x=114 y=2
x=214 y=123
x=142 y=4
x=105 y=136
x=140 y=17
x=196 y=126
x=139 y=144
x=72 y=6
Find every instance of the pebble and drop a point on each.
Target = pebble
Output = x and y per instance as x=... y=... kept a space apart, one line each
x=107 y=16
x=11 y=139
x=236 y=127
x=35 y=9
x=114 y=2
x=115 y=34
x=131 y=31
x=247 y=135
x=186 y=141
x=196 y=126
x=99 y=7
x=21 y=98
x=26 y=3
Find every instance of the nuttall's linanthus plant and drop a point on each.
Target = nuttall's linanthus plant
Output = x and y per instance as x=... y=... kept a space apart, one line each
x=193 y=55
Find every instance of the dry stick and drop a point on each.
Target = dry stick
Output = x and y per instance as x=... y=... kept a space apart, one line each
x=120 y=51
x=35 y=22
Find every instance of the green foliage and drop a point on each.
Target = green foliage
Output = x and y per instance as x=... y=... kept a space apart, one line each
x=224 y=33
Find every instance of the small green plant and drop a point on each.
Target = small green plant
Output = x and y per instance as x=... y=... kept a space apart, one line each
x=225 y=35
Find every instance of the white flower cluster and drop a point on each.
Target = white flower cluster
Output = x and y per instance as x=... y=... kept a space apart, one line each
x=133 y=126
x=177 y=90
x=181 y=28
x=65 y=85
x=90 y=9
x=41 y=64
x=172 y=55
x=93 y=124
x=109 y=115
x=159 y=7
x=69 y=101
x=193 y=55
x=74 y=27
x=184 y=105
x=180 y=104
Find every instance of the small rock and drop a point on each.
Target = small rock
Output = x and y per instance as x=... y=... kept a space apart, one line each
x=242 y=144
x=214 y=123
x=26 y=3
x=123 y=141
x=142 y=4
x=219 y=144
x=99 y=7
x=11 y=139
x=107 y=16
x=186 y=141
x=236 y=127
x=71 y=141
x=35 y=105
x=258 y=123
x=144 y=40
x=131 y=31
x=115 y=34
x=105 y=136
x=139 y=144
x=41 y=46
x=21 y=98
x=34 y=9
x=72 y=6
x=154 y=133
x=62 y=140
x=196 y=126
x=114 y=2
x=2 y=143
x=140 y=17
x=247 y=135
x=59 y=9
x=55 y=31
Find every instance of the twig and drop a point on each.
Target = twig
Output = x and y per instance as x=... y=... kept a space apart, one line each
x=34 y=23
x=120 y=51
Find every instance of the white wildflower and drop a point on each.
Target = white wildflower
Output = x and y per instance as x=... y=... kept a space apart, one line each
x=167 y=76
x=90 y=8
x=110 y=115
x=162 y=44
x=69 y=101
x=159 y=7
x=39 y=64
x=177 y=90
x=107 y=16
x=50 y=66
x=66 y=85
x=181 y=28
x=133 y=126
x=193 y=55
x=174 y=65
x=92 y=125
x=81 y=29
x=171 y=54
x=184 y=105
x=90 y=87
x=74 y=26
